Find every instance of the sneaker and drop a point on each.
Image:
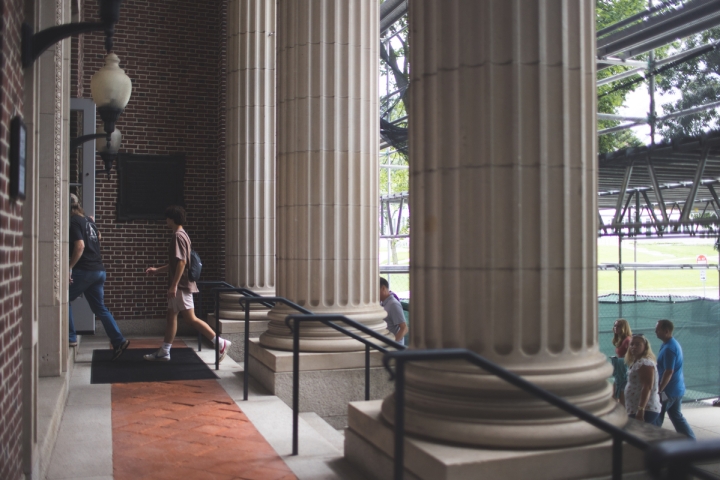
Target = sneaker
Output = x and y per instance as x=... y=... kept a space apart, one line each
x=120 y=349
x=224 y=349
x=159 y=356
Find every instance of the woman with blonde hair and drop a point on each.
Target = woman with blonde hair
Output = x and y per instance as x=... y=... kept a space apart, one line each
x=641 y=393
x=621 y=342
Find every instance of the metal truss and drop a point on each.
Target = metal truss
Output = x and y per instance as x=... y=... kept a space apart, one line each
x=668 y=189
x=655 y=27
x=619 y=267
x=653 y=190
x=391 y=213
x=390 y=12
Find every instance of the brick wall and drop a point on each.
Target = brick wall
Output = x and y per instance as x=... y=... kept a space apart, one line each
x=174 y=52
x=76 y=91
x=11 y=88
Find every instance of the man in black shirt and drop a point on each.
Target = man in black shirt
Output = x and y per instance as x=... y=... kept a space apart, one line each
x=87 y=275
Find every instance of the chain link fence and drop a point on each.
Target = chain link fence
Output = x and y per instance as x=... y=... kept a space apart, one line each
x=697 y=328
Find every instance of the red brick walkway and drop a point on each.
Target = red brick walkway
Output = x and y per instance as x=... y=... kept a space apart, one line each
x=186 y=430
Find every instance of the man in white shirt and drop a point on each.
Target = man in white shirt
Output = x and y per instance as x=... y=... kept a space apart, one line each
x=395 y=317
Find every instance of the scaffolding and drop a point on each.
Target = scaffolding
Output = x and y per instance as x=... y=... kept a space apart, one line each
x=665 y=189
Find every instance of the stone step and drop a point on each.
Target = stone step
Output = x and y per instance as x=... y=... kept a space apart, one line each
x=319 y=457
x=230 y=326
x=333 y=436
x=234 y=330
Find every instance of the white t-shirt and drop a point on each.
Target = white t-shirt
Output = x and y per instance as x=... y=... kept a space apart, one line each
x=633 y=388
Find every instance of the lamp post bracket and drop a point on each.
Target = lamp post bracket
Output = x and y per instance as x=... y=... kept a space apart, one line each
x=34 y=44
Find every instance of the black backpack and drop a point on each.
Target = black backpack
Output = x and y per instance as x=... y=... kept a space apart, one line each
x=195 y=267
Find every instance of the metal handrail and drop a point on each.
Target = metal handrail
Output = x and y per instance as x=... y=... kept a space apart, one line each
x=676 y=456
x=328 y=319
x=207 y=283
x=245 y=302
x=618 y=435
x=218 y=326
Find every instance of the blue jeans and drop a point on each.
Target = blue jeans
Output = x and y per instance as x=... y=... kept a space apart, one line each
x=92 y=283
x=649 y=417
x=672 y=407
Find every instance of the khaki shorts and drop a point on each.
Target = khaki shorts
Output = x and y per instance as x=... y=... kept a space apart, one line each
x=183 y=301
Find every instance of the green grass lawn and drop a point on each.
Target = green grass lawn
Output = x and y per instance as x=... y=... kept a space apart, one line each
x=403 y=254
x=657 y=251
x=676 y=282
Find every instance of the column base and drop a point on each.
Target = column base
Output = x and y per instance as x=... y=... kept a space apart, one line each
x=231 y=309
x=369 y=446
x=458 y=403
x=328 y=381
x=317 y=337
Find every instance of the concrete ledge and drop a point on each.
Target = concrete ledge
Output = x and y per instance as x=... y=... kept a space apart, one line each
x=369 y=446
x=282 y=361
x=258 y=324
x=52 y=394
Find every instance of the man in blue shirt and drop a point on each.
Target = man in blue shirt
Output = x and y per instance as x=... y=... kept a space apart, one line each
x=671 y=384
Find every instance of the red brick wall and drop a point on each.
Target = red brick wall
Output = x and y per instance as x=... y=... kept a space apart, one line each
x=174 y=52
x=11 y=94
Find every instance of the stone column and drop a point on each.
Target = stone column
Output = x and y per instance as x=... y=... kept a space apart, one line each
x=53 y=208
x=327 y=250
x=250 y=184
x=503 y=244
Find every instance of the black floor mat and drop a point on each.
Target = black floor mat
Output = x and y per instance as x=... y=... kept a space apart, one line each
x=184 y=364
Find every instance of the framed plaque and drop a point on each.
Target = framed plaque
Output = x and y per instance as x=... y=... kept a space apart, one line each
x=148 y=184
x=18 y=152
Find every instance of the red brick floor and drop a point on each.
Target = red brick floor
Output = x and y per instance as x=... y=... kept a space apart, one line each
x=186 y=430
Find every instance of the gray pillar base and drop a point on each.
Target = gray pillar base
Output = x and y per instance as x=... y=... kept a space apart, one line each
x=234 y=330
x=328 y=381
x=369 y=446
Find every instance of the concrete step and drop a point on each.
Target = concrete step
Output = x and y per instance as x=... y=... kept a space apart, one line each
x=333 y=436
x=320 y=446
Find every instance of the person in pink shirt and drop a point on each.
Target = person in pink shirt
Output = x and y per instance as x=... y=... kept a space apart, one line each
x=180 y=288
x=622 y=335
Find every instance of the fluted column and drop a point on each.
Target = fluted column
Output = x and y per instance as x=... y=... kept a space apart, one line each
x=250 y=184
x=503 y=241
x=327 y=257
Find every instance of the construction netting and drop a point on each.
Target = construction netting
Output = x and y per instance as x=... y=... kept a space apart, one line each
x=697 y=328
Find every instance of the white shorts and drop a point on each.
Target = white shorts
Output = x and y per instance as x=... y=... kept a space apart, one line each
x=183 y=301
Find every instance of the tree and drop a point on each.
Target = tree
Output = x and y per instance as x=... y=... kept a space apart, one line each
x=394 y=69
x=698 y=82
x=394 y=180
x=609 y=12
x=393 y=130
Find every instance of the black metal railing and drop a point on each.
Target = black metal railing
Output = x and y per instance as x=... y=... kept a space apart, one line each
x=673 y=459
x=677 y=453
x=293 y=322
x=200 y=310
x=218 y=326
x=245 y=302
x=224 y=287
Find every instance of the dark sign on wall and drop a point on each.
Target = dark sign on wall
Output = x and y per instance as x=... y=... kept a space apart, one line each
x=148 y=184
x=18 y=151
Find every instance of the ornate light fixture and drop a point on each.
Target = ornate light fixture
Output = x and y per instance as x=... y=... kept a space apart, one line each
x=110 y=89
x=108 y=152
x=34 y=44
x=110 y=86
